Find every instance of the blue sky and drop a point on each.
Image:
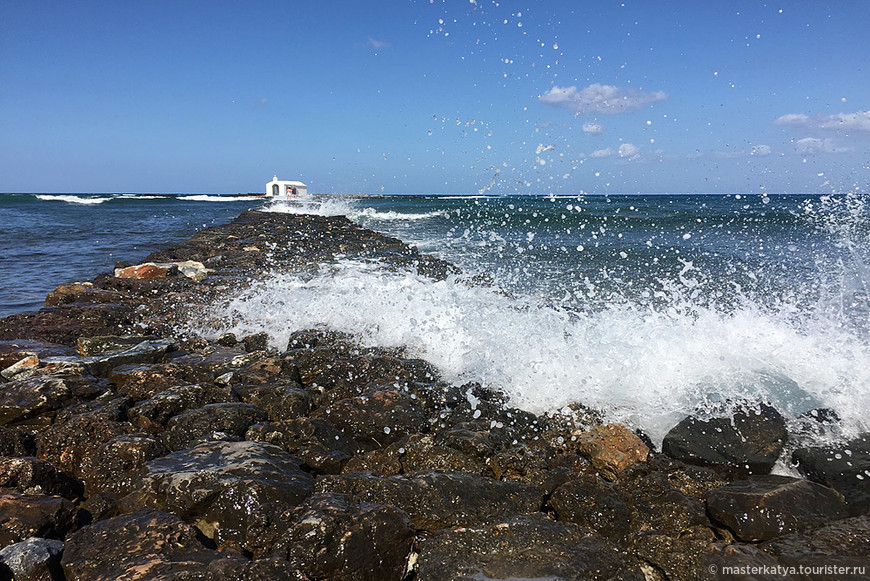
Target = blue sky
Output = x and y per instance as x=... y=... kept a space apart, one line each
x=432 y=96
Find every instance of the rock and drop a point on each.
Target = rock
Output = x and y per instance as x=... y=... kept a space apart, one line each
x=148 y=351
x=89 y=346
x=673 y=557
x=64 y=324
x=144 y=381
x=436 y=500
x=844 y=467
x=612 y=448
x=117 y=463
x=34 y=515
x=234 y=492
x=841 y=543
x=155 y=413
x=747 y=443
x=527 y=547
x=144 y=545
x=83 y=293
x=32 y=559
x=280 y=402
x=72 y=445
x=414 y=453
x=594 y=503
x=341 y=540
x=377 y=419
x=322 y=448
x=16 y=442
x=763 y=507
x=25 y=399
x=215 y=421
x=147 y=271
x=21 y=369
x=34 y=476
x=745 y=562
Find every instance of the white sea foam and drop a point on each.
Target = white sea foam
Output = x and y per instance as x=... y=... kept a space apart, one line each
x=209 y=198
x=344 y=207
x=644 y=367
x=70 y=199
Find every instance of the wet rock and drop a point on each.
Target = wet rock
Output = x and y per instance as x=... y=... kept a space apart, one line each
x=34 y=515
x=66 y=323
x=117 y=464
x=21 y=369
x=147 y=271
x=844 y=467
x=436 y=500
x=25 y=399
x=215 y=421
x=34 y=476
x=321 y=447
x=32 y=559
x=143 y=381
x=675 y=558
x=747 y=443
x=256 y=342
x=749 y=562
x=594 y=503
x=268 y=371
x=842 y=543
x=90 y=346
x=82 y=293
x=612 y=448
x=763 y=507
x=72 y=445
x=528 y=547
x=148 y=351
x=155 y=413
x=337 y=539
x=376 y=419
x=234 y=492
x=144 y=545
x=16 y=350
x=414 y=453
x=16 y=442
x=280 y=402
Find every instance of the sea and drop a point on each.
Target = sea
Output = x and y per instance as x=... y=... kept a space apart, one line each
x=646 y=307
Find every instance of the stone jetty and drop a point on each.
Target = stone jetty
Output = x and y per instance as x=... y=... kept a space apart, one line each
x=132 y=449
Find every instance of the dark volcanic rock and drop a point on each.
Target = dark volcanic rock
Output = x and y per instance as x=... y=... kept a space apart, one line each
x=65 y=324
x=845 y=468
x=34 y=515
x=35 y=476
x=23 y=400
x=843 y=542
x=16 y=442
x=415 y=453
x=216 y=421
x=143 y=545
x=763 y=507
x=117 y=463
x=376 y=419
x=320 y=446
x=341 y=540
x=233 y=491
x=747 y=443
x=33 y=559
x=82 y=294
x=144 y=381
x=155 y=413
x=436 y=500
x=72 y=445
x=280 y=402
x=527 y=547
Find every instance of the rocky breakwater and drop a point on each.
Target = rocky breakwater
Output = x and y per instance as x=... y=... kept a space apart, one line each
x=129 y=450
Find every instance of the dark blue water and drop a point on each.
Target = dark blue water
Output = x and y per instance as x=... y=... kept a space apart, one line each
x=48 y=240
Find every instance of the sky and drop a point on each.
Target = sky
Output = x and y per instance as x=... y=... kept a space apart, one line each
x=435 y=96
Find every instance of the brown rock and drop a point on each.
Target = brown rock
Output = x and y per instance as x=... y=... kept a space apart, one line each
x=147 y=271
x=612 y=448
x=140 y=546
x=33 y=515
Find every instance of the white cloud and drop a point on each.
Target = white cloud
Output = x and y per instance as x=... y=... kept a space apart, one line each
x=602 y=152
x=600 y=99
x=858 y=122
x=760 y=150
x=815 y=145
x=592 y=128
x=378 y=44
x=629 y=151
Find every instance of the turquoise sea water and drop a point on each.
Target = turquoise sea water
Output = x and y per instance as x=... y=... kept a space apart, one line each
x=648 y=307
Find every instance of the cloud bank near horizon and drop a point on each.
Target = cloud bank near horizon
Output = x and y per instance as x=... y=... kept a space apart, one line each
x=600 y=99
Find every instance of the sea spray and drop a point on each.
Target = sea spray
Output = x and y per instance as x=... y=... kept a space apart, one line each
x=639 y=366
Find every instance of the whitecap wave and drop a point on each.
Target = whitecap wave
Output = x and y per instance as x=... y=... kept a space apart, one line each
x=648 y=368
x=71 y=199
x=213 y=198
